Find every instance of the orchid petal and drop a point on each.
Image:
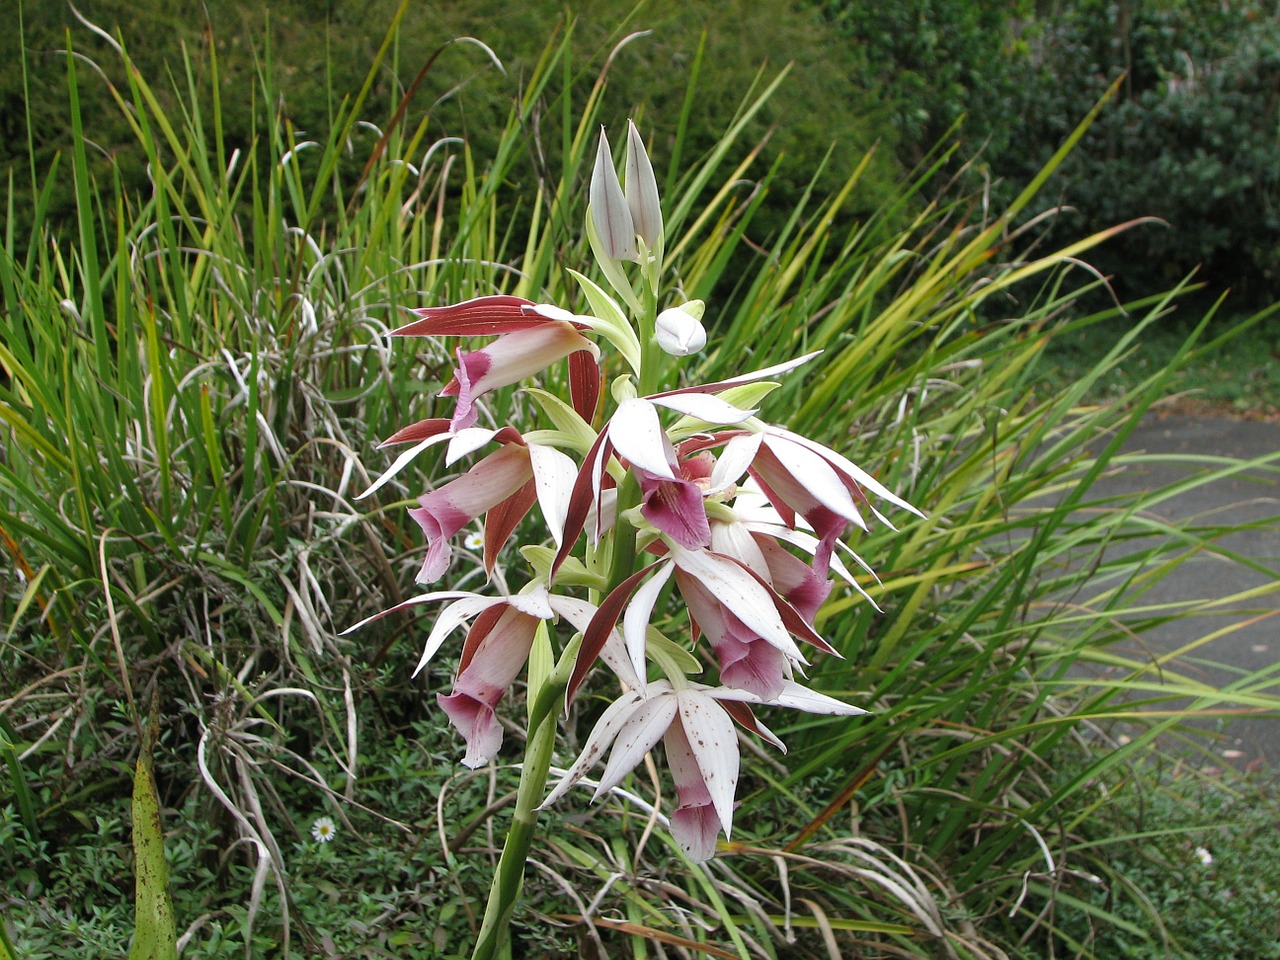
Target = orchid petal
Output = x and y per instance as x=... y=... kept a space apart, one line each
x=411 y=602
x=608 y=208
x=403 y=461
x=615 y=716
x=481 y=316
x=553 y=475
x=799 y=697
x=704 y=407
x=635 y=624
x=715 y=748
x=449 y=619
x=614 y=653
x=741 y=594
x=818 y=478
x=643 y=728
x=734 y=460
x=466 y=441
x=641 y=191
x=636 y=433
x=856 y=473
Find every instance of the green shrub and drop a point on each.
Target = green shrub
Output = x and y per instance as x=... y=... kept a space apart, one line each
x=1192 y=138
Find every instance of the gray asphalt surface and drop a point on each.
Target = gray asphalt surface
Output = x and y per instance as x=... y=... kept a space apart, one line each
x=1251 y=637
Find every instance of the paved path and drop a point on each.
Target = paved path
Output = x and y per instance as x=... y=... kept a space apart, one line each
x=1251 y=497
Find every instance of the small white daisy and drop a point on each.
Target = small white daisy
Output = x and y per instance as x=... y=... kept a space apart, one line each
x=473 y=540
x=324 y=829
x=1204 y=856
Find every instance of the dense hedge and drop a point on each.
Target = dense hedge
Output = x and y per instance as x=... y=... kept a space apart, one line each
x=1193 y=138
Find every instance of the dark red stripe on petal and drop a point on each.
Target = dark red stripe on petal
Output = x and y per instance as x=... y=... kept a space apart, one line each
x=580 y=498
x=481 y=627
x=417 y=432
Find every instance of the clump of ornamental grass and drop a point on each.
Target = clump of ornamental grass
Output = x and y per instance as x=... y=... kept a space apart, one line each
x=193 y=380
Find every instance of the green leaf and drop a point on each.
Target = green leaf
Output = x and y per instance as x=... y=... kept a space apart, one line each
x=156 y=933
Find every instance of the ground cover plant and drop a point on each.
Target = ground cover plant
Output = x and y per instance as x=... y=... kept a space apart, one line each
x=195 y=380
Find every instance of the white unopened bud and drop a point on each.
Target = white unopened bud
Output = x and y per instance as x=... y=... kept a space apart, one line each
x=609 y=212
x=679 y=331
x=642 y=191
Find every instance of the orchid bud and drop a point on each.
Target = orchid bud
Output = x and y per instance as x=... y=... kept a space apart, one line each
x=610 y=215
x=679 y=331
x=642 y=191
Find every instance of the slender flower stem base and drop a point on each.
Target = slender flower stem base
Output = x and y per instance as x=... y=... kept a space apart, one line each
x=508 y=879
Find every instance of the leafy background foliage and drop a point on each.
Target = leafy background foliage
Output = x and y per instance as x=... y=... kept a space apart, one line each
x=195 y=277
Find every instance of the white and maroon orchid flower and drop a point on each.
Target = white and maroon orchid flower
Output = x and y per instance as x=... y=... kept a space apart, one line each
x=496 y=648
x=530 y=337
x=696 y=724
x=502 y=487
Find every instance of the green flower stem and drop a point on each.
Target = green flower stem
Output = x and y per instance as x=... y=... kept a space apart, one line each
x=651 y=355
x=508 y=879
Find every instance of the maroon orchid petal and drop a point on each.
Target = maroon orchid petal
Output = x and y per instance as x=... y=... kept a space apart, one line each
x=796 y=625
x=501 y=521
x=587 y=487
x=417 y=432
x=753 y=665
x=483 y=316
x=598 y=630
x=675 y=507
x=584 y=384
x=481 y=627
x=743 y=716
x=694 y=823
x=798 y=582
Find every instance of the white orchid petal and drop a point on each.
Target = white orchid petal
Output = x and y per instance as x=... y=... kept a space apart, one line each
x=817 y=477
x=735 y=540
x=465 y=441
x=740 y=593
x=715 y=748
x=411 y=602
x=770 y=371
x=642 y=729
x=606 y=729
x=799 y=697
x=856 y=473
x=635 y=624
x=704 y=407
x=450 y=618
x=636 y=433
x=403 y=461
x=734 y=460
x=613 y=653
x=535 y=603
x=554 y=474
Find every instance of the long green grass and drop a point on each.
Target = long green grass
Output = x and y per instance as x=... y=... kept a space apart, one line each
x=194 y=381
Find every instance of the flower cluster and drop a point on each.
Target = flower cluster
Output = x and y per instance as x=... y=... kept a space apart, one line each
x=675 y=516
